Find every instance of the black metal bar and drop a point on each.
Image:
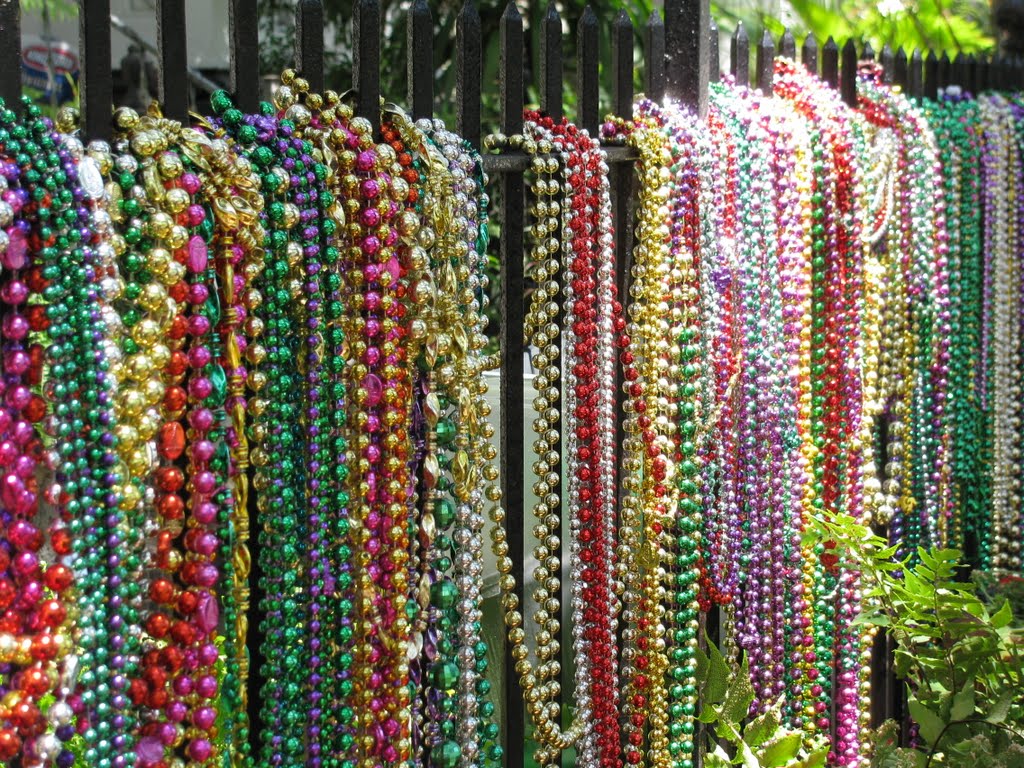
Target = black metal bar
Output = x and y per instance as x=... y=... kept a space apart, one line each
x=172 y=80
x=622 y=65
x=366 y=59
x=588 y=84
x=739 y=55
x=958 y=70
x=931 y=76
x=868 y=54
x=10 y=53
x=787 y=45
x=901 y=72
x=714 y=55
x=551 y=63
x=809 y=54
x=419 y=55
x=96 y=83
x=995 y=73
x=243 y=53
x=309 y=43
x=686 y=47
x=197 y=78
x=515 y=161
x=654 y=66
x=916 y=76
x=512 y=402
x=943 y=73
x=830 y=63
x=622 y=182
x=469 y=73
x=888 y=62
x=765 y=63
x=848 y=74
x=970 y=73
x=981 y=75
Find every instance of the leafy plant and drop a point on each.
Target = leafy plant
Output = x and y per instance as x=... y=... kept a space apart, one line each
x=58 y=9
x=996 y=587
x=962 y=663
x=761 y=742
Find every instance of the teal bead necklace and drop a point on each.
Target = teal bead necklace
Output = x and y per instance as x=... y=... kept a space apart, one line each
x=84 y=461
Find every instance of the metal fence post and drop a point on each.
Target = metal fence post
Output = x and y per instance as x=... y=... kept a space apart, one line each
x=96 y=82
x=512 y=349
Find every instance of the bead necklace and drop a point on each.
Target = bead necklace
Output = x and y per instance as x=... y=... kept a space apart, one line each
x=692 y=249
x=592 y=312
x=85 y=465
x=147 y=318
x=456 y=266
x=1001 y=173
x=379 y=525
x=791 y=82
x=760 y=474
x=236 y=206
x=568 y=240
x=644 y=466
x=314 y=275
x=265 y=141
x=35 y=598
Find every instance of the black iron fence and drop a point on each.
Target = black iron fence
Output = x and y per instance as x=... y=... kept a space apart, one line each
x=680 y=57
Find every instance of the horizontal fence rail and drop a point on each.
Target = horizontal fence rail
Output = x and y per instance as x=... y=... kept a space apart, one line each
x=680 y=57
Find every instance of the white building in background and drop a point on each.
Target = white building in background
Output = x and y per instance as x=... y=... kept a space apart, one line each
x=206 y=20
x=133 y=21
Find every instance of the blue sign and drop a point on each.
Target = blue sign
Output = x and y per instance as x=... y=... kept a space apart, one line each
x=63 y=59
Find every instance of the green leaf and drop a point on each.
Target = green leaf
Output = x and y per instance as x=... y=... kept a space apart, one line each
x=930 y=724
x=814 y=760
x=764 y=726
x=708 y=713
x=703 y=665
x=1001 y=709
x=902 y=758
x=740 y=695
x=1003 y=616
x=872 y=619
x=717 y=759
x=717 y=675
x=781 y=751
x=963 y=702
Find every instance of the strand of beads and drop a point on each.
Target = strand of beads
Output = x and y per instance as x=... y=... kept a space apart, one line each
x=645 y=468
x=798 y=613
x=34 y=601
x=69 y=269
x=692 y=245
x=591 y=314
x=1000 y=174
x=236 y=207
x=312 y=202
x=565 y=158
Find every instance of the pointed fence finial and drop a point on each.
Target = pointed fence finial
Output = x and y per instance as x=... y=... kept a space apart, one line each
x=739 y=55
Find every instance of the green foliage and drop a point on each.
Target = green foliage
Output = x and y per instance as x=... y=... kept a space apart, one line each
x=962 y=662
x=994 y=588
x=58 y=9
x=953 y=26
x=732 y=739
